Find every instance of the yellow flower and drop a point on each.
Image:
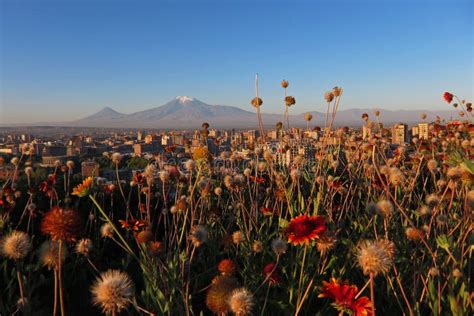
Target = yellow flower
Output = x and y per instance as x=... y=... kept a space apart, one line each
x=82 y=189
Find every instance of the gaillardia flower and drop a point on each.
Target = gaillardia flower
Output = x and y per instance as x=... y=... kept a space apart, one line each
x=344 y=296
x=303 y=229
x=82 y=189
x=62 y=224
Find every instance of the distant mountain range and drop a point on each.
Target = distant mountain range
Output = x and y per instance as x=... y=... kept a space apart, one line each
x=188 y=113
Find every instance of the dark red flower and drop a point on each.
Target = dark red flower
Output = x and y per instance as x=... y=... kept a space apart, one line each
x=448 y=97
x=62 y=224
x=272 y=274
x=227 y=266
x=257 y=180
x=303 y=229
x=344 y=296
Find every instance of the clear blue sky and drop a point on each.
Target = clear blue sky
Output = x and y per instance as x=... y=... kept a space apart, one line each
x=66 y=59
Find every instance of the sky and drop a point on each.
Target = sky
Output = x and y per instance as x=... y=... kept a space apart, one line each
x=66 y=59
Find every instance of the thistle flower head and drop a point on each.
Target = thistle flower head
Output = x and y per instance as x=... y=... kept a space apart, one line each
x=279 y=246
x=49 y=254
x=375 y=256
x=84 y=246
x=385 y=208
x=112 y=291
x=241 y=302
x=219 y=293
x=15 y=245
x=227 y=267
x=62 y=224
x=198 y=235
x=106 y=230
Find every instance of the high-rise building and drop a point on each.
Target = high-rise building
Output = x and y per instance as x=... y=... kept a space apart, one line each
x=423 y=130
x=400 y=134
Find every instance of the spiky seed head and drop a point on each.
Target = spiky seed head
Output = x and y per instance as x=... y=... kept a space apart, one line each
x=112 y=291
x=15 y=245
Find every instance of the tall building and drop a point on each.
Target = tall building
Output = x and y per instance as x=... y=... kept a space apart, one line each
x=400 y=134
x=423 y=130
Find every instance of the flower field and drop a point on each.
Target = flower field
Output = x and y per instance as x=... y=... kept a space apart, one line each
x=358 y=230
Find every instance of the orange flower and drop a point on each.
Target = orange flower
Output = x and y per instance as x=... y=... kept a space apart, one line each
x=82 y=189
x=344 y=296
x=62 y=224
x=227 y=266
x=303 y=229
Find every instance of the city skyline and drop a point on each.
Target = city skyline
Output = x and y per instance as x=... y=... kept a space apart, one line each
x=65 y=61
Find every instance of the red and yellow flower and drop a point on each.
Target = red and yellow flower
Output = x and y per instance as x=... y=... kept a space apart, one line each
x=344 y=296
x=82 y=189
x=303 y=229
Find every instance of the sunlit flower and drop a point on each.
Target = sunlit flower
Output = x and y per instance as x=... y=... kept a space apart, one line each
x=344 y=296
x=82 y=189
x=84 y=246
x=15 y=245
x=448 y=97
x=62 y=224
x=375 y=256
x=241 y=302
x=219 y=293
x=227 y=266
x=303 y=229
x=112 y=291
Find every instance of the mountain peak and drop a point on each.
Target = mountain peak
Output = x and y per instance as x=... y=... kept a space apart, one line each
x=184 y=99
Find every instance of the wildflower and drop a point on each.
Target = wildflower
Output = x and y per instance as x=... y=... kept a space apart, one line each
x=62 y=224
x=164 y=176
x=448 y=97
x=189 y=165
x=325 y=242
x=144 y=236
x=289 y=100
x=218 y=191
x=116 y=157
x=15 y=245
x=329 y=96
x=241 y=302
x=219 y=293
x=457 y=273
x=344 y=296
x=454 y=173
x=375 y=256
x=227 y=267
x=337 y=91
x=414 y=234
x=84 y=246
x=432 y=165
x=198 y=235
x=384 y=208
x=303 y=229
x=82 y=189
x=470 y=200
x=256 y=102
x=284 y=84
x=432 y=200
x=107 y=231
x=279 y=246
x=433 y=272
x=49 y=253
x=271 y=273
x=155 y=248
x=257 y=246
x=237 y=237
x=112 y=291
x=70 y=164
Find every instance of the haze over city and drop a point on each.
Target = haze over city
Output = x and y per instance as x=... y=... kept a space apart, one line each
x=65 y=60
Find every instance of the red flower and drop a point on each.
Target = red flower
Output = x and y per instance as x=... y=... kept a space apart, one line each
x=344 y=295
x=272 y=274
x=62 y=224
x=133 y=224
x=257 y=180
x=227 y=266
x=304 y=228
x=266 y=210
x=448 y=97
